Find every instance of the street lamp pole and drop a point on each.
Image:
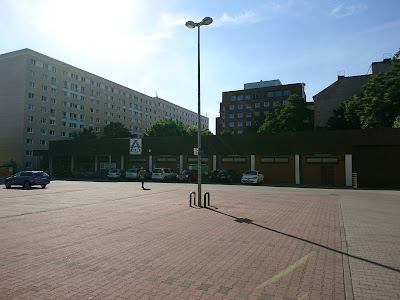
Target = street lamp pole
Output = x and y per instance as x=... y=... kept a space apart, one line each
x=191 y=24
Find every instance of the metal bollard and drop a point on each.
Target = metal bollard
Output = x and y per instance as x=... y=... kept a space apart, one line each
x=206 y=196
x=194 y=198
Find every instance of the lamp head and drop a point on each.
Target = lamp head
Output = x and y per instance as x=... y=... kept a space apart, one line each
x=206 y=21
x=190 y=24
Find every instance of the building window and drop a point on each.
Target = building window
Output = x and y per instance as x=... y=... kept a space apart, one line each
x=29 y=141
x=240 y=115
x=248 y=105
x=29 y=130
x=275 y=103
x=278 y=94
x=322 y=160
x=28 y=165
x=44 y=87
x=52 y=133
x=31 y=107
x=284 y=102
x=30 y=118
x=240 y=131
x=31 y=96
x=44 y=109
x=32 y=62
x=44 y=77
x=32 y=73
x=31 y=84
x=257 y=105
x=231 y=124
x=166 y=159
x=233 y=98
x=44 y=98
x=231 y=116
x=52 y=100
x=53 y=90
x=43 y=120
x=233 y=159
x=286 y=92
x=240 y=124
x=240 y=97
x=248 y=115
x=270 y=95
x=240 y=106
x=275 y=160
x=29 y=153
x=247 y=97
x=266 y=104
x=64 y=134
x=266 y=112
x=52 y=122
x=43 y=131
x=231 y=107
x=248 y=123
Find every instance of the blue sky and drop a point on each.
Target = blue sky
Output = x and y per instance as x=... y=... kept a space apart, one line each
x=144 y=45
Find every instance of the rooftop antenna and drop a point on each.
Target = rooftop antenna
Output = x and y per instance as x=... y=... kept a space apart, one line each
x=156 y=95
x=341 y=73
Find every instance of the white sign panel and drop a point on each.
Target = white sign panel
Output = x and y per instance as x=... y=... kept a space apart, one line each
x=135 y=147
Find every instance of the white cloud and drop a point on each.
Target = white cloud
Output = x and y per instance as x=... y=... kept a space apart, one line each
x=343 y=10
x=242 y=18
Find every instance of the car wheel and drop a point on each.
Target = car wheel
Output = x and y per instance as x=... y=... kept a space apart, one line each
x=27 y=185
x=8 y=184
x=43 y=186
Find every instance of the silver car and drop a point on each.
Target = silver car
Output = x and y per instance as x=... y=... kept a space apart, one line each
x=132 y=174
x=116 y=174
x=163 y=174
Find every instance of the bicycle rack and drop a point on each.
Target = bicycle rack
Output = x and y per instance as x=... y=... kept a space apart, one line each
x=194 y=198
x=206 y=197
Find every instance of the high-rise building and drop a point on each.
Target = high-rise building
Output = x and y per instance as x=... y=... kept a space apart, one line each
x=43 y=99
x=244 y=108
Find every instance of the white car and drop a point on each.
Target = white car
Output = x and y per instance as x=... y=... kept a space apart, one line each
x=163 y=174
x=116 y=174
x=252 y=176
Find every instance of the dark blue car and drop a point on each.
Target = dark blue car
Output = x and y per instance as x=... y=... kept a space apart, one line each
x=28 y=179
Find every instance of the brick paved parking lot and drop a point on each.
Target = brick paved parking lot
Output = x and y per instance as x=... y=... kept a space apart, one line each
x=113 y=240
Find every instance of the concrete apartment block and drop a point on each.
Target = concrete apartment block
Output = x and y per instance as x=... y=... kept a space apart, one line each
x=44 y=99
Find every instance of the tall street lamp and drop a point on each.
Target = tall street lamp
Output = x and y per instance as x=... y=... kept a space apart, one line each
x=191 y=24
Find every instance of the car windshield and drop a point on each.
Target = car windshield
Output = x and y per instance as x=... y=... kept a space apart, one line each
x=187 y=172
x=113 y=170
x=250 y=173
x=223 y=172
x=157 y=171
x=131 y=170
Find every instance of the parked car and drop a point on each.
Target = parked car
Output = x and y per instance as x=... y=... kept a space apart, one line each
x=228 y=176
x=187 y=175
x=212 y=176
x=132 y=173
x=252 y=176
x=116 y=174
x=28 y=179
x=163 y=174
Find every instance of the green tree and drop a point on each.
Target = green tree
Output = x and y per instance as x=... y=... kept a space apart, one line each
x=85 y=134
x=377 y=106
x=226 y=132
x=294 y=116
x=167 y=127
x=192 y=131
x=397 y=122
x=116 y=130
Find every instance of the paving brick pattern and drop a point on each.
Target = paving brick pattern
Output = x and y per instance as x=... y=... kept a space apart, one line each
x=268 y=243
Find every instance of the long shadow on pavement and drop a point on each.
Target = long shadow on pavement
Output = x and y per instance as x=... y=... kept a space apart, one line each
x=250 y=222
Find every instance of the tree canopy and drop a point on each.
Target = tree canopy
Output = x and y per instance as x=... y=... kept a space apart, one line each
x=116 y=130
x=171 y=127
x=85 y=134
x=294 y=116
x=378 y=105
